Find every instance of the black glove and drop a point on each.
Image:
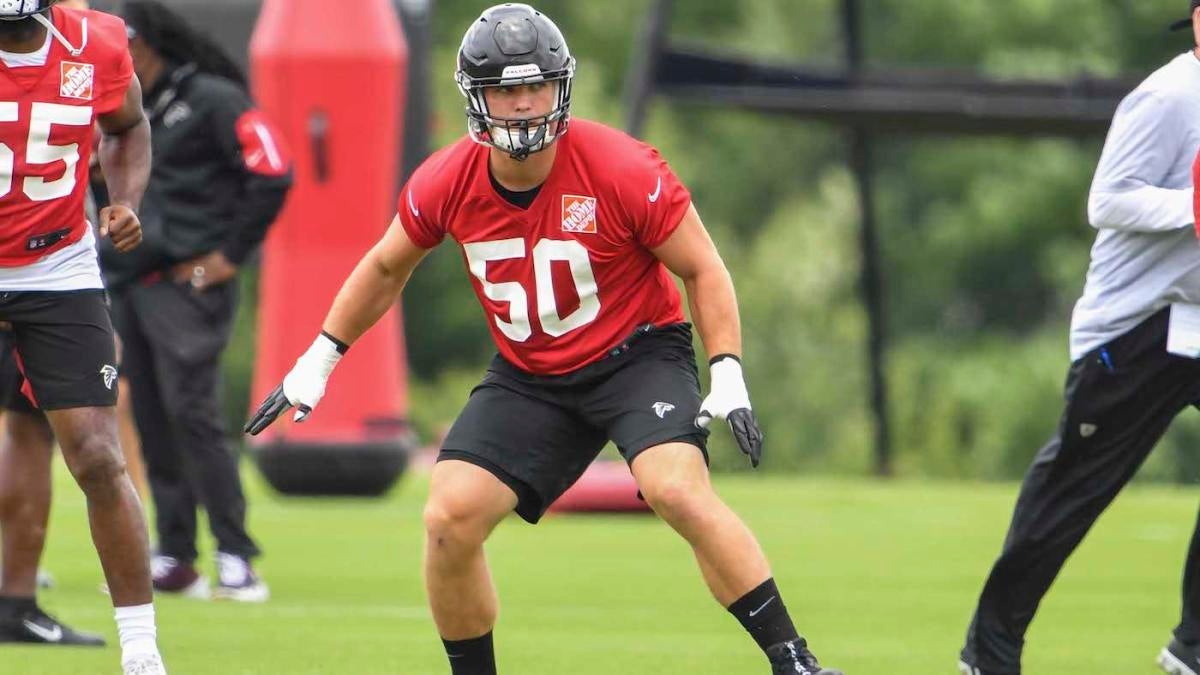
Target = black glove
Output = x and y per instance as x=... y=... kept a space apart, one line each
x=272 y=407
x=747 y=434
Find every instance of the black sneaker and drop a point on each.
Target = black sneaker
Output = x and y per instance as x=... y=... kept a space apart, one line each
x=37 y=627
x=793 y=658
x=1179 y=658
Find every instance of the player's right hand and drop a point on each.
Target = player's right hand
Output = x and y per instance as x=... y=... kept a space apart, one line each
x=120 y=223
x=302 y=388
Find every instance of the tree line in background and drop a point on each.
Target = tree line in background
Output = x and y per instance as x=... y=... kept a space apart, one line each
x=985 y=240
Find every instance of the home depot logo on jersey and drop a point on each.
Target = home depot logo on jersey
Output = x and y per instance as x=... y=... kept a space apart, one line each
x=78 y=80
x=579 y=214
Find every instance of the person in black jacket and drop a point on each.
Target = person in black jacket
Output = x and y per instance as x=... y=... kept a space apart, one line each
x=220 y=178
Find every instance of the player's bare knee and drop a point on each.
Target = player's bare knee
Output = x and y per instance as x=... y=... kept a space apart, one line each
x=450 y=525
x=677 y=501
x=97 y=465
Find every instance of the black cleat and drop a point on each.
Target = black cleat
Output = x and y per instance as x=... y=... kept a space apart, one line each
x=37 y=627
x=1179 y=658
x=793 y=658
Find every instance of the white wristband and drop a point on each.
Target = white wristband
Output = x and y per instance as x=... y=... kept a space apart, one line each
x=729 y=383
x=322 y=356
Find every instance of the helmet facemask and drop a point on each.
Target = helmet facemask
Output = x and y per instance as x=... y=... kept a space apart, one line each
x=17 y=17
x=519 y=137
x=18 y=10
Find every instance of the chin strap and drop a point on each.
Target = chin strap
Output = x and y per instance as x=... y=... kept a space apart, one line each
x=75 y=51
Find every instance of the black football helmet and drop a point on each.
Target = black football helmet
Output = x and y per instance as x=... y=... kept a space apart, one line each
x=15 y=10
x=510 y=45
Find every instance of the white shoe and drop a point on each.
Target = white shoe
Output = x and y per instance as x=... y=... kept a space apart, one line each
x=237 y=581
x=1178 y=659
x=145 y=665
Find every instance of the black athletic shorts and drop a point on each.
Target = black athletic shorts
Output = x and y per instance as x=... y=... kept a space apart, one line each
x=538 y=434
x=65 y=347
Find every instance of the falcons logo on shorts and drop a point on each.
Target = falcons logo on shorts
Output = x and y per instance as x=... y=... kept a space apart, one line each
x=110 y=375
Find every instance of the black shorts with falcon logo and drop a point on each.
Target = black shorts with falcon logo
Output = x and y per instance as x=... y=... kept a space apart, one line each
x=63 y=343
x=538 y=434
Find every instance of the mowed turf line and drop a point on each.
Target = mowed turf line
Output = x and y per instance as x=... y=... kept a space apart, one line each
x=881 y=576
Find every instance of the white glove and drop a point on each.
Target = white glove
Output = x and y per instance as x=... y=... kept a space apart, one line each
x=729 y=400
x=303 y=387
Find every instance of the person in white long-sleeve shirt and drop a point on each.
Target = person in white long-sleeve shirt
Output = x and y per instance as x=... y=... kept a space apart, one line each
x=1124 y=387
x=1146 y=254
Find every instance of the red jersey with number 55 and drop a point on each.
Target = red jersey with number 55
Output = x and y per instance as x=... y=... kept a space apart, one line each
x=47 y=116
x=568 y=279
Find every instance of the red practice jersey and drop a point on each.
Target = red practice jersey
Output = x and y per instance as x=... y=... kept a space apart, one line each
x=47 y=117
x=568 y=279
x=1196 y=194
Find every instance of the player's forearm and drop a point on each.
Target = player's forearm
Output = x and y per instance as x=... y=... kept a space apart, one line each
x=713 y=303
x=1144 y=209
x=370 y=291
x=125 y=161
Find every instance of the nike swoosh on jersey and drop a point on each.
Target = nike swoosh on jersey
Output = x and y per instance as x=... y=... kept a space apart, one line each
x=657 y=192
x=413 y=207
x=48 y=634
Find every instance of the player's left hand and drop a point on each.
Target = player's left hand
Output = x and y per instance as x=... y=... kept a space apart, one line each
x=211 y=269
x=728 y=400
x=121 y=224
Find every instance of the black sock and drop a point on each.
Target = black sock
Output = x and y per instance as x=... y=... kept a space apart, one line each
x=471 y=657
x=13 y=606
x=763 y=615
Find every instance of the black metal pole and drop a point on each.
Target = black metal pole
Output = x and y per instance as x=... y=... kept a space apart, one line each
x=871 y=280
x=644 y=66
x=852 y=30
x=416 y=16
x=873 y=297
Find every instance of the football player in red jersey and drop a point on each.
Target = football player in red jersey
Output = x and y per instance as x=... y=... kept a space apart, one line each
x=62 y=72
x=569 y=230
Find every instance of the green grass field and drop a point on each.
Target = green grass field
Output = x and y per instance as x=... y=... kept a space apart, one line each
x=880 y=576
